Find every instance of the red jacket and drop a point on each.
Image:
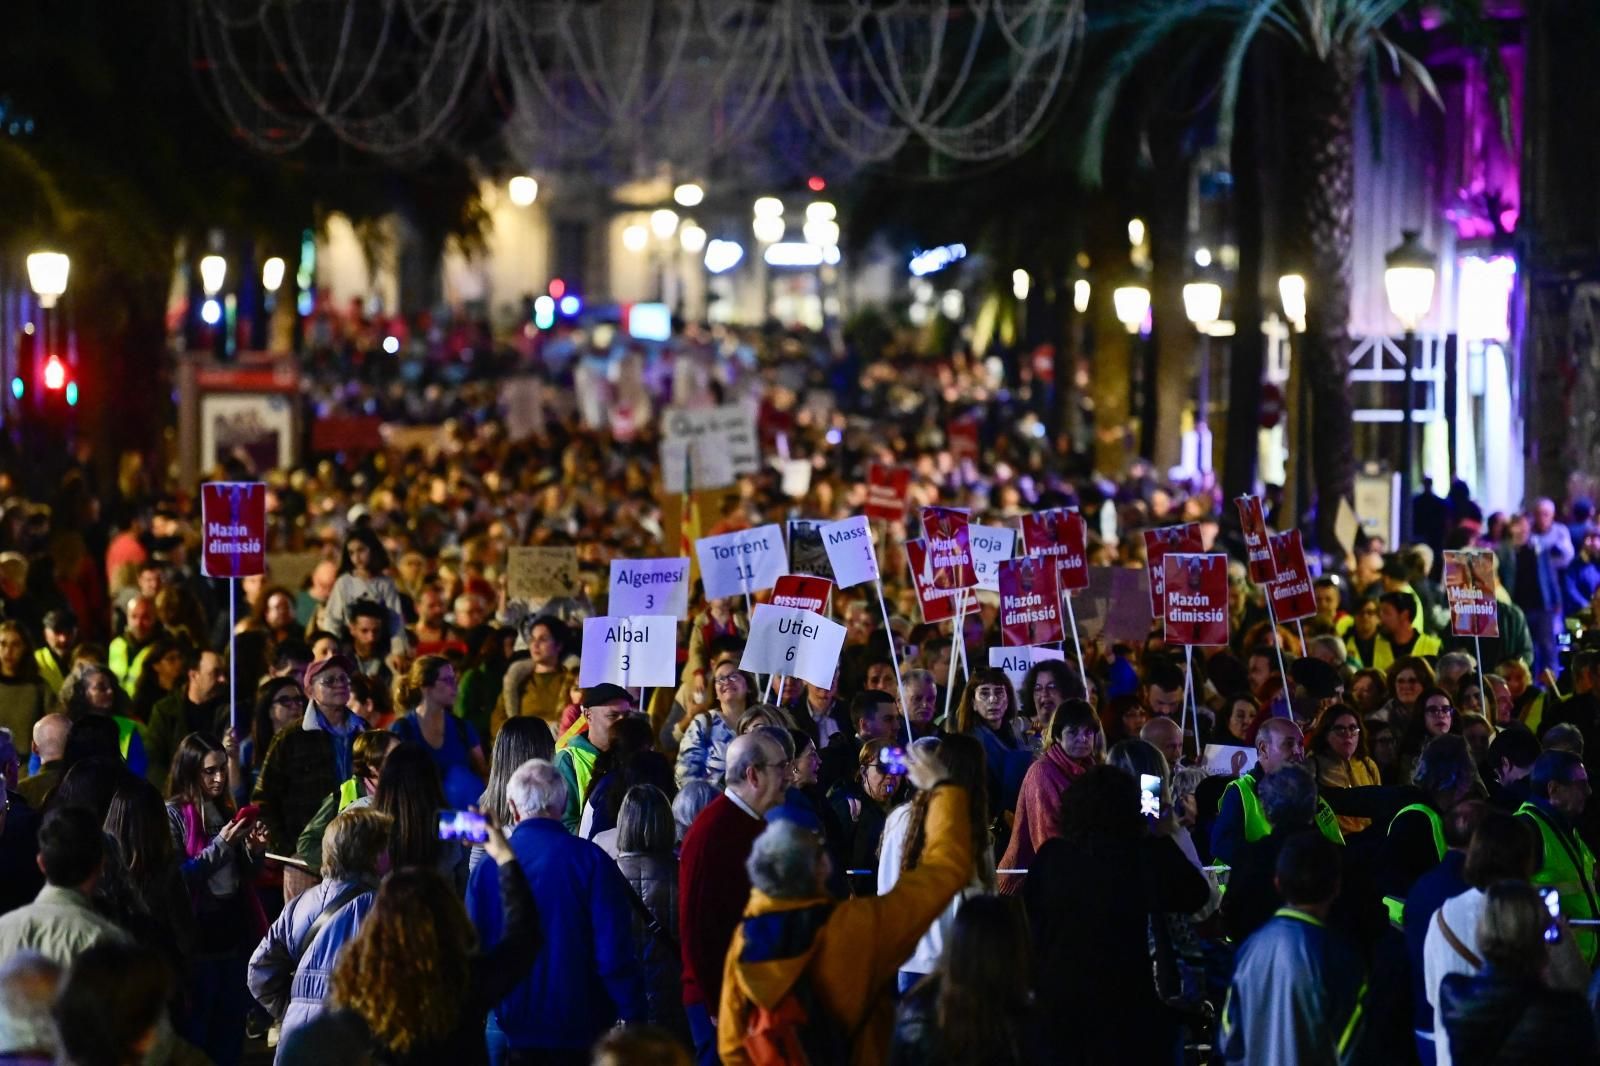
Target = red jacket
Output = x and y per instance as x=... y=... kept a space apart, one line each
x=713 y=888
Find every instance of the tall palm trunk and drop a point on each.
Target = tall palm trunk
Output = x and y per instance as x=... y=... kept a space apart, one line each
x=1321 y=201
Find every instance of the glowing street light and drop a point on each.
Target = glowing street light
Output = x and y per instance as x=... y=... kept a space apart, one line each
x=47 y=275
x=523 y=190
x=1408 y=280
x=1021 y=284
x=1292 y=294
x=213 y=272
x=1202 y=303
x=692 y=238
x=1132 y=304
x=663 y=223
x=272 y=274
x=635 y=237
x=1080 y=295
x=688 y=194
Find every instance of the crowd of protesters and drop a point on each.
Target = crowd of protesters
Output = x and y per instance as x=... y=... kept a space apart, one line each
x=1371 y=841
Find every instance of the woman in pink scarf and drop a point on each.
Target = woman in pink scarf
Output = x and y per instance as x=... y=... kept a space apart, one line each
x=1075 y=743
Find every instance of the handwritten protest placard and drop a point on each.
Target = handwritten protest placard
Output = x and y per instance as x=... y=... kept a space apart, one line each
x=537 y=573
x=1016 y=662
x=730 y=428
x=850 y=553
x=990 y=545
x=741 y=562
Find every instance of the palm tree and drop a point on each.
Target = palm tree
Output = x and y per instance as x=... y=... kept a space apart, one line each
x=1334 y=44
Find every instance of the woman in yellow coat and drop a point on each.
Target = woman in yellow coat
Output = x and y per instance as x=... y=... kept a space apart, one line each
x=1339 y=752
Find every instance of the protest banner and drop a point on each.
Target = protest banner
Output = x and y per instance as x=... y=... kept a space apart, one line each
x=1196 y=609
x=964 y=438
x=1469 y=587
x=990 y=545
x=1157 y=543
x=1030 y=604
x=1291 y=593
x=649 y=586
x=741 y=562
x=1016 y=662
x=793 y=642
x=807 y=555
x=233 y=537
x=634 y=651
x=730 y=429
x=1257 y=547
x=850 y=554
x=887 y=488
x=803 y=591
x=540 y=573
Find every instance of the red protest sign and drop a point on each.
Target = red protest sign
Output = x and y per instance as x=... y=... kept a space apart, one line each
x=1063 y=535
x=1196 y=608
x=233 y=528
x=1469 y=587
x=1030 y=603
x=1258 y=551
x=1157 y=543
x=937 y=604
x=949 y=558
x=807 y=593
x=964 y=438
x=1291 y=592
x=887 y=487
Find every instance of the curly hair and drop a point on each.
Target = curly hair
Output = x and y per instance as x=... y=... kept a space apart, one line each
x=405 y=973
x=966 y=763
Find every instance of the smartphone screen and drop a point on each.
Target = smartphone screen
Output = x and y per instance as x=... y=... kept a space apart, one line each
x=1150 y=795
x=463 y=825
x=1552 y=903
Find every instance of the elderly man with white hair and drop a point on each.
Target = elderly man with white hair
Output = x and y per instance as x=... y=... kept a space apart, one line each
x=585 y=978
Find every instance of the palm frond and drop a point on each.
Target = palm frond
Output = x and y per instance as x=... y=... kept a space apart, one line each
x=1476 y=31
x=1233 y=68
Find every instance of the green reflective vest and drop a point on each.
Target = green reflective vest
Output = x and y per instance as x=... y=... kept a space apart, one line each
x=1256 y=825
x=1396 y=905
x=1568 y=867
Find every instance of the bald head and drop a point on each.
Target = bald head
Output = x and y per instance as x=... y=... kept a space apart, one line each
x=1279 y=743
x=50 y=737
x=757 y=771
x=1166 y=736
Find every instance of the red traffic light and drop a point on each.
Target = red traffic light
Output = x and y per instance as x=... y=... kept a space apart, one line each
x=55 y=374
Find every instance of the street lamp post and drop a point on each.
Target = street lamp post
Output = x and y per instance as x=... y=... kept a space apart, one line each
x=1292 y=295
x=1408 y=277
x=1202 y=303
x=47 y=276
x=1132 y=304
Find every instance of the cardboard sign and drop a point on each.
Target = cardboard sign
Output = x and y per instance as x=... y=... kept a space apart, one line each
x=887 y=488
x=948 y=560
x=540 y=573
x=1229 y=759
x=850 y=552
x=693 y=464
x=990 y=545
x=744 y=561
x=807 y=593
x=792 y=642
x=1196 y=589
x=1030 y=603
x=806 y=552
x=649 y=586
x=1114 y=605
x=1016 y=662
x=1157 y=543
x=631 y=651
x=1062 y=535
x=730 y=429
x=1292 y=596
x=233 y=528
x=937 y=604
x=1257 y=547
x=1469 y=587
x=292 y=570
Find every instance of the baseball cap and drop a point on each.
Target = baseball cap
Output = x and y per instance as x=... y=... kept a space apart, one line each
x=600 y=695
x=343 y=662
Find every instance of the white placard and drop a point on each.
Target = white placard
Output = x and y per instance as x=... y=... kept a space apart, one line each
x=1229 y=758
x=631 y=651
x=796 y=476
x=850 y=551
x=793 y=642
x=704 y=460
x=991 y=545
x=730 y=428
x=747 y=560
x=1016 y=662
x=650 y=586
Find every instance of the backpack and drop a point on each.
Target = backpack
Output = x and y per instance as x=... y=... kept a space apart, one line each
x=797 y=1030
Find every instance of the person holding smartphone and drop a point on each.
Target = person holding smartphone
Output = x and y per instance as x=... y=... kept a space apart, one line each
x=220 y=849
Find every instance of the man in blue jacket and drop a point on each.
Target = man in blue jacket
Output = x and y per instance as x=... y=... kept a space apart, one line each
x=585 y=978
